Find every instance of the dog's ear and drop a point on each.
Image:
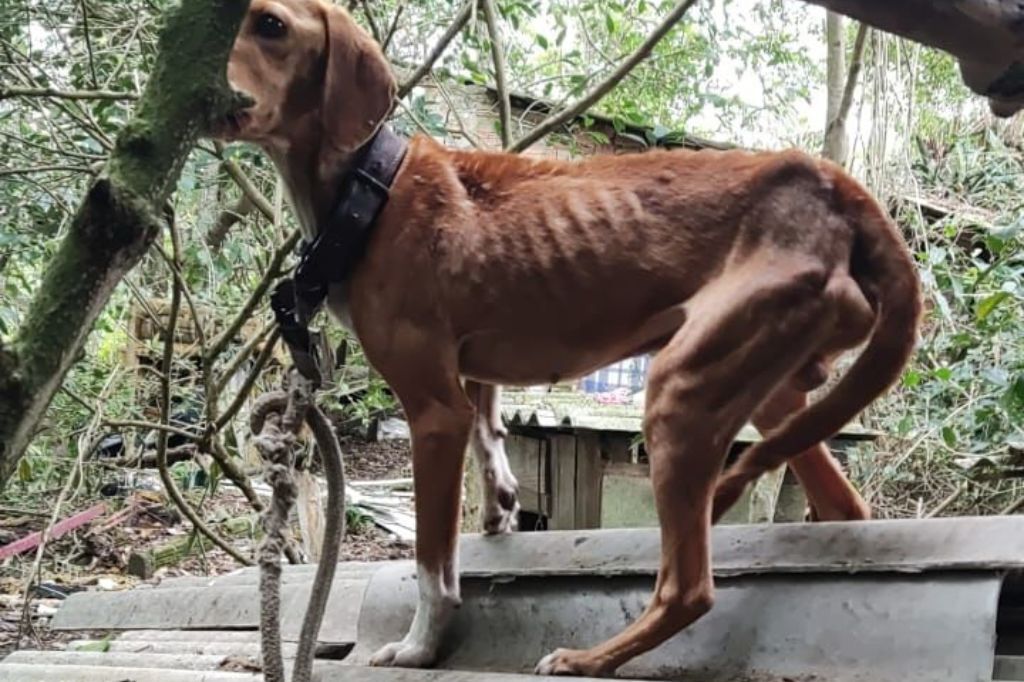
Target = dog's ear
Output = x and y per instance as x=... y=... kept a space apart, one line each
x=359 y=86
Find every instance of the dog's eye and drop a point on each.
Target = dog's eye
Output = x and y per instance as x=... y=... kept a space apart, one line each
x=270 y=27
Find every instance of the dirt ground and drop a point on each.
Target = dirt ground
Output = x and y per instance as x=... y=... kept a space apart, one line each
x=96 y=556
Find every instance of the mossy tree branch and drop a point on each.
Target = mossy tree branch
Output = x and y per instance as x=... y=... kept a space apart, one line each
x=121 y=214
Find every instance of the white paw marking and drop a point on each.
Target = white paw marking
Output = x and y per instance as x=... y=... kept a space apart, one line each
x=434 y=612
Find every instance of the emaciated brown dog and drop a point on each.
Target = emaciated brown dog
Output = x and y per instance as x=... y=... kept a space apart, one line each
x=747 y=273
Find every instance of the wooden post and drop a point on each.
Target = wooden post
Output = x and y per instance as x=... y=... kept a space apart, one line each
x=589 y=480
x=562 y=458
x=311 y=514
x=528 y=461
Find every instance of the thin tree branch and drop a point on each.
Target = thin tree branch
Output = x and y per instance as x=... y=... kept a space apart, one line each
x=165 y=413
x=372 y=22
x=151 y=426
x=443 y=91
x=631 y=62
x=247 y=186
x=54 y=93
x=501 y=82
x=415 y=119
x=228 y=218
x=240 y=357
x=88 y=44
x=255 y=298
x=250 y=381
x=460 y=21
x=856 y=63
x=392 y=28
x=46 y=169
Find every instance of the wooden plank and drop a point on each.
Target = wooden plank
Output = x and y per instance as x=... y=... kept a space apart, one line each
x=618 y=447
x=527 y=461
x=589 y=475
x=562 y=459
x=627 y=498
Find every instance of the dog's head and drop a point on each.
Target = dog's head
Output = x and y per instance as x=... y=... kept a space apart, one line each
x=307 y=64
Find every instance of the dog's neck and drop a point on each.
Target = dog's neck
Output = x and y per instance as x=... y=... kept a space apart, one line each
x=312 y=173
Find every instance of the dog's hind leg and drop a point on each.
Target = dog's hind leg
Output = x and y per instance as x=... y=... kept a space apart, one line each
x=830 y=494
x=744 y=334
x=500 y=513
x=440 y=418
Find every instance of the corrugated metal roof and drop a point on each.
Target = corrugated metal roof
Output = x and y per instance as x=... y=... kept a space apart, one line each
x=571 y=410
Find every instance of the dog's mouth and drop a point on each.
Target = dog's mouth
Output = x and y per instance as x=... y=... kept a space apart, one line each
x=232 y=126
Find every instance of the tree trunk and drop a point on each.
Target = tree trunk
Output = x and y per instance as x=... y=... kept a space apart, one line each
x=835 y=147
x=121 y=215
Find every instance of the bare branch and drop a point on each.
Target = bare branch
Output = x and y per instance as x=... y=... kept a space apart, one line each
x=856 y=63
x=46 y=169
x=460 y=21
x=255 y=298
x=240 y=357
x=170 y=486
x=88 y=43
x=151 y=426
x=455 y=112
x=250 y=381
x=54 y=93
x=601 y=89
x=247 y=186
x=392 y=28
x=501 y=82
x=372 y=22
x=227 y=219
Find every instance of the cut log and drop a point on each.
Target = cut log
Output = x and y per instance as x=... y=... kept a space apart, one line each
x=145 y=564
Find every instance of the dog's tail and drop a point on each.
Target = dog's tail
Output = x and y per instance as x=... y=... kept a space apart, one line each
x=882 y=267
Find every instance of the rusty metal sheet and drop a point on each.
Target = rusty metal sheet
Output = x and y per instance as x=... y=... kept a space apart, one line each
x=825 y=628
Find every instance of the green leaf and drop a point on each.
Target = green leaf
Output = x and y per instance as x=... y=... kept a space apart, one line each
x=949 y=436
x=1015 y=395
x=101 y=646
x=990 y=303
x=24 y=471
x=609 y=23
x=542 y=41
x=944 y=373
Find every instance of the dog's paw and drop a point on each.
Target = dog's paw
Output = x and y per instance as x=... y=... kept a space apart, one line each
x=501 y=515
x=501 y=507
x=569 y=662
x=403 y=655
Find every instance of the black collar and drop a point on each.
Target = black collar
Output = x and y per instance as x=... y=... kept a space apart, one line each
x=336 y=250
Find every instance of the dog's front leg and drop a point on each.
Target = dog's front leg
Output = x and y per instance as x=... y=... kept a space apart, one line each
x=440 y=426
